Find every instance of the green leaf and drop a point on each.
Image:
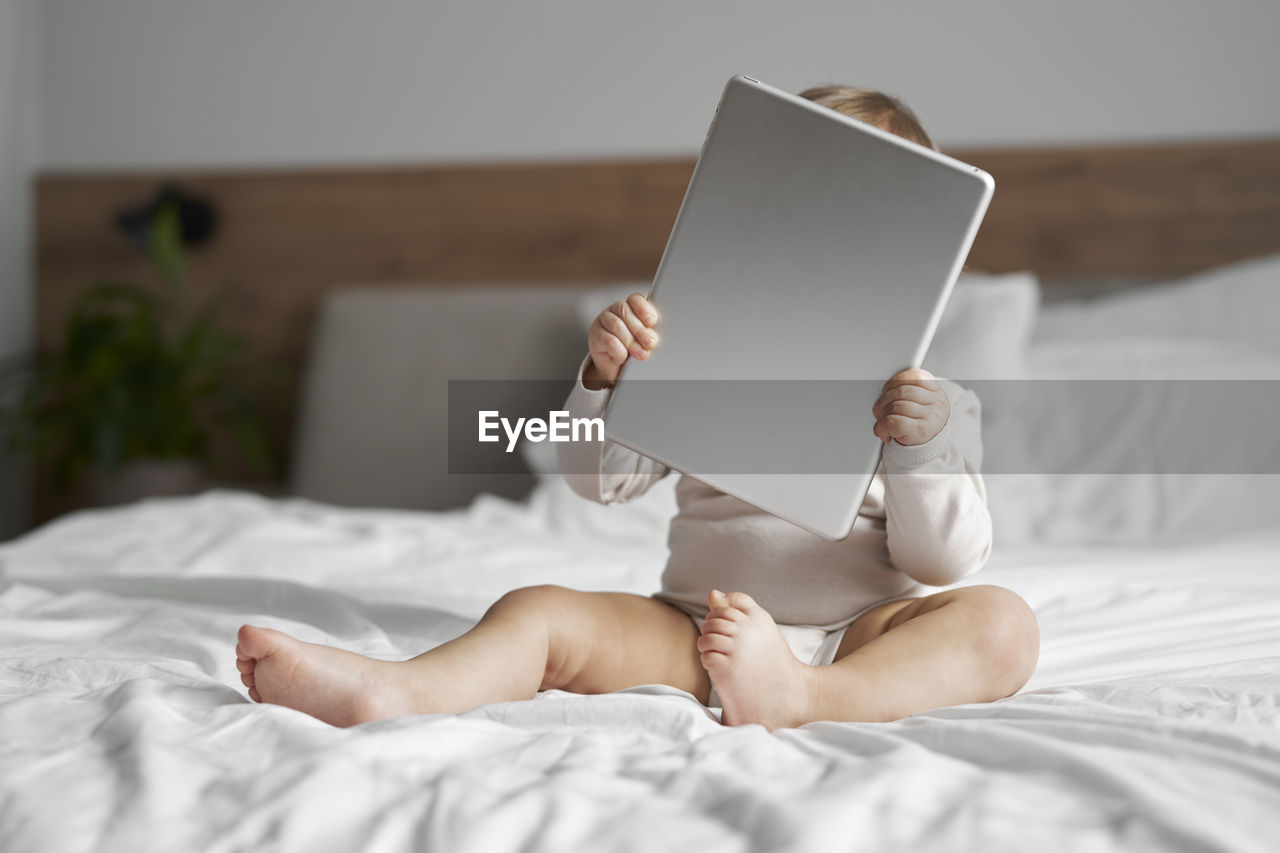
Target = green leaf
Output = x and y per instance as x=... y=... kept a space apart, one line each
x=165 y=245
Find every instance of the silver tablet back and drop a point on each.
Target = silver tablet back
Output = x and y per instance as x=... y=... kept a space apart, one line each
x=810 y=261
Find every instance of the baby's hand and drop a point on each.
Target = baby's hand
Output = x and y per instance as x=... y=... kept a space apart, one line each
x=912 y=408
x=623 y=329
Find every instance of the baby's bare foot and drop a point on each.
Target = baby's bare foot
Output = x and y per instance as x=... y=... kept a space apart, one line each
x=758 y=678
x=342 y=688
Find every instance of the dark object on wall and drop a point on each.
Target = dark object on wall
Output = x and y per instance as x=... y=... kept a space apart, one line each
x=197 y=217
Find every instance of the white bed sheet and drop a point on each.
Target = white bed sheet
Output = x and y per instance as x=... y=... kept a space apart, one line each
x=1151 y=722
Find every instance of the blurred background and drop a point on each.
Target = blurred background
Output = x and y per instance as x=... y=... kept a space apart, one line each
x=166 y=89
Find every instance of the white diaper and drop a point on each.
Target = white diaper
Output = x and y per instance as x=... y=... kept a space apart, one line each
x=813 y=646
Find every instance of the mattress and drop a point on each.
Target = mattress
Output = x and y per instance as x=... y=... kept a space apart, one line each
x=1151 y=723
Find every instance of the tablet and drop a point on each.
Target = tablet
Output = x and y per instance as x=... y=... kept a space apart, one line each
x=810 y=260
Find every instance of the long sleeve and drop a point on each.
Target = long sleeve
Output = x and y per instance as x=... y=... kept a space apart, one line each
x=936 y=517
x=603 y=471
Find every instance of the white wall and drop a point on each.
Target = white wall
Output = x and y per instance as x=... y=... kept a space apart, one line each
x=183 y=82
x=19 y=137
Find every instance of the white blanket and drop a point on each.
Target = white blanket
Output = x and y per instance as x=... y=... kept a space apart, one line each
x=1151 y=723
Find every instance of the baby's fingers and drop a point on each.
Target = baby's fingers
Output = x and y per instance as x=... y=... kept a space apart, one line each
x=644 y=309
x=913 y=376
x=903 y=393
x=639 y=338
x=900 y=427
x=609 y=337
x=907 y=408
x=907 y=430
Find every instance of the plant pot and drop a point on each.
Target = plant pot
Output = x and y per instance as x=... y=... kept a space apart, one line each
x=145 y=478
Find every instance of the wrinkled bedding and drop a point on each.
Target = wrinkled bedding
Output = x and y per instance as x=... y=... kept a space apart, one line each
x=1152 y=721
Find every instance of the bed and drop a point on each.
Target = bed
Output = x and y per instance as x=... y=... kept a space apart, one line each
x=1152 y=721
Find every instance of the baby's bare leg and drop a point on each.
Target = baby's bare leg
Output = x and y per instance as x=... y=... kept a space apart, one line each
x=972 y=644
x=532 y=639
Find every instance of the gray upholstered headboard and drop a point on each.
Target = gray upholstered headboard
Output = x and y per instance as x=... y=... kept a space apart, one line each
x=373 y=422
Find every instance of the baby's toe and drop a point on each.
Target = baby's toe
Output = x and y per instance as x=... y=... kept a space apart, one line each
x=257 y=643
x=741 y=601
x=718 y=625
x=715 y=643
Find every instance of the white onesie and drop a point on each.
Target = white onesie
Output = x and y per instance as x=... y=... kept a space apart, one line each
x=924 y=522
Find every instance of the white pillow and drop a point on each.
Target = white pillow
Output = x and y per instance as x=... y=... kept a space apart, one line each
x=1219 y=324
x=1112 y=504
x=1240 y=302
x=983 y=333
x=985 y=328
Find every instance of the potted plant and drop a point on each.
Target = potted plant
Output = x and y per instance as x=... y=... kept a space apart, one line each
x=142 y=378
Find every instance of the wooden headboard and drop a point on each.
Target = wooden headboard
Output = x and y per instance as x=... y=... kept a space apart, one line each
x=288 y=237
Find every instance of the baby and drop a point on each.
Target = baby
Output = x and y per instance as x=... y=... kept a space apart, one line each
x=805 y=629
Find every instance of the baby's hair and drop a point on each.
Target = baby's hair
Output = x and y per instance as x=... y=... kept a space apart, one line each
x=877 y=108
